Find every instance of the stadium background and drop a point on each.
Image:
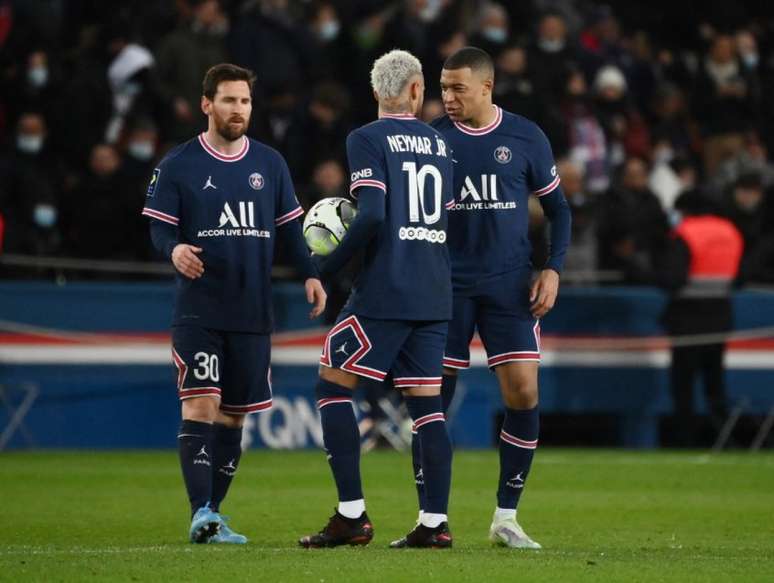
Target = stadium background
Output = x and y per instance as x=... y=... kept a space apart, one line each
x=640 y=106
x=641 y=101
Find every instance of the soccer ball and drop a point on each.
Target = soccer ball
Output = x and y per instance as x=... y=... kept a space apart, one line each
x=326 y=223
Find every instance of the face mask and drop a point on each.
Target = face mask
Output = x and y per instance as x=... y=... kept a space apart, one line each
x=44 y=215
x=29 y=144
x=141 y=150
x=675 y=217
x=330 y=30
x=495 y=34
x=750 y=60
x=431 y=11
x=551 y=46
x=37 y=76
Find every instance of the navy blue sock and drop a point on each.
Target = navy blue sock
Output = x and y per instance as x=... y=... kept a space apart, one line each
x=435 y=451
x=448 y=386
x=194 y=441
x=518 y=440
x=341 y=438
x=227 y=445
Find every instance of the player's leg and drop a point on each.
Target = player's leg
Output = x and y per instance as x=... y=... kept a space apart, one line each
x=456 y=357
x=354 y=347
x=416 y=373
x=196 y=353
x=511 y=337
x=246 y=380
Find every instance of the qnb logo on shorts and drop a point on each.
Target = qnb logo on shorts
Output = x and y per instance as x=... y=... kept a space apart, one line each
x=421 y=234
x=236 y=222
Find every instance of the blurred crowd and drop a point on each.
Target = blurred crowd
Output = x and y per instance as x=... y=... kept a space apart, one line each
x=642 y=102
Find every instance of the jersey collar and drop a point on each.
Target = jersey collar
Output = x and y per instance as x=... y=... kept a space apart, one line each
x=397 y=116
x=222 y=157
x=484 y=130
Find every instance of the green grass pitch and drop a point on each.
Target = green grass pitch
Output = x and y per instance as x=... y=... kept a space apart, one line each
x=601 y=516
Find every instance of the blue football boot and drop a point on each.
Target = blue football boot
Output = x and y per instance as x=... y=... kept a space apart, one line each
x=225 y=535
x=204 y=525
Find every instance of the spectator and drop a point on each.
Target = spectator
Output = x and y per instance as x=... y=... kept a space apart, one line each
x=492 y=30
x=29 y=193
x=586 y=141
x=98 y=226
x=182 y=59
x=550 y=57
x=582 y=254
x=725 y=99
x=321 y=126
x=672 y=126
x=749 y=210
x=328 y=179
x=514 y=90
x=752 y=159
x=624 y=127
x=670 y=177
x=128 y=76
x=632 y=225
x=702 y=260
x=269 y=41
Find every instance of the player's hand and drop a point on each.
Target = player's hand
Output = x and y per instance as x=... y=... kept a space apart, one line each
x=185 y=260
x=542 y=295
x=315 y=294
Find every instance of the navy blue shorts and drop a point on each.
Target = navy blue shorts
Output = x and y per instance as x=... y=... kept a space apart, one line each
x=234 y=366
x=500 y=308
x=410 y=351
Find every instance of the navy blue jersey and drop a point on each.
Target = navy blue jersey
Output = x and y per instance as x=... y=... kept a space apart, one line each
x=229 y=206
x=496 y=169
x=406 y=272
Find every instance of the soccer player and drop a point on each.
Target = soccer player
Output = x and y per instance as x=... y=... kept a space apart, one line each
x=217 y=203
x=500 y=159
x=396 y=318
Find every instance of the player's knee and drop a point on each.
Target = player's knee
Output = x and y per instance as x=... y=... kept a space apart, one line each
x=421 y=391
x=338 y=376
x=450 y=372
x=204 y=409
x=230 y=420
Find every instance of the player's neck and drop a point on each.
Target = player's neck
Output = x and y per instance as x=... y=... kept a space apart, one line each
x=484 y=118
x=222 y=145
x=383 y=113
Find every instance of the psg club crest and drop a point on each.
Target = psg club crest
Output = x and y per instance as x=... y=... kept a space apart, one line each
x=256 y=181
x=503 y=154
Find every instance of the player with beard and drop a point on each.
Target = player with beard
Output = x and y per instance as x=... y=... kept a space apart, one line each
x=217 y=203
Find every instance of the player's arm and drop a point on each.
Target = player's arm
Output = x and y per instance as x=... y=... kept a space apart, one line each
x=370 y=215
x=369 y=187
x=162 y=206
x=546 y=186
x=292 y=237
x=166 y=240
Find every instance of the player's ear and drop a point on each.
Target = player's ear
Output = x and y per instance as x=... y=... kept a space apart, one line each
x=376 y=96
x=206 y=105
x=488 y=85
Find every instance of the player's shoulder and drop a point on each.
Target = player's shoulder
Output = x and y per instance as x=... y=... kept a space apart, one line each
x=442 y=124
x=177 y=155
x=266 y=152
x=521 y=126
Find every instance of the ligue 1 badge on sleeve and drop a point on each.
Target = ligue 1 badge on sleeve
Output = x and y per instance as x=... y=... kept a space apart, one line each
x=153 y=182
x=503 y=154
x=256 y=181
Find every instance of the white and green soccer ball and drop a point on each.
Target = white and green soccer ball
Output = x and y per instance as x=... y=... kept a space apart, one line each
x=326 y=223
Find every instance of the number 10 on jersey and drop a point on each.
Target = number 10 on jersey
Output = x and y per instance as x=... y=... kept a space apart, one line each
x=416 y=184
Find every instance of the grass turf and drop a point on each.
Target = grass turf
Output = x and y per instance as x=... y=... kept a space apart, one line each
x=600 y=515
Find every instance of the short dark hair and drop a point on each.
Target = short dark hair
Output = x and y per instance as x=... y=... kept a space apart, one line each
x=477 y=59
x=225 y=72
